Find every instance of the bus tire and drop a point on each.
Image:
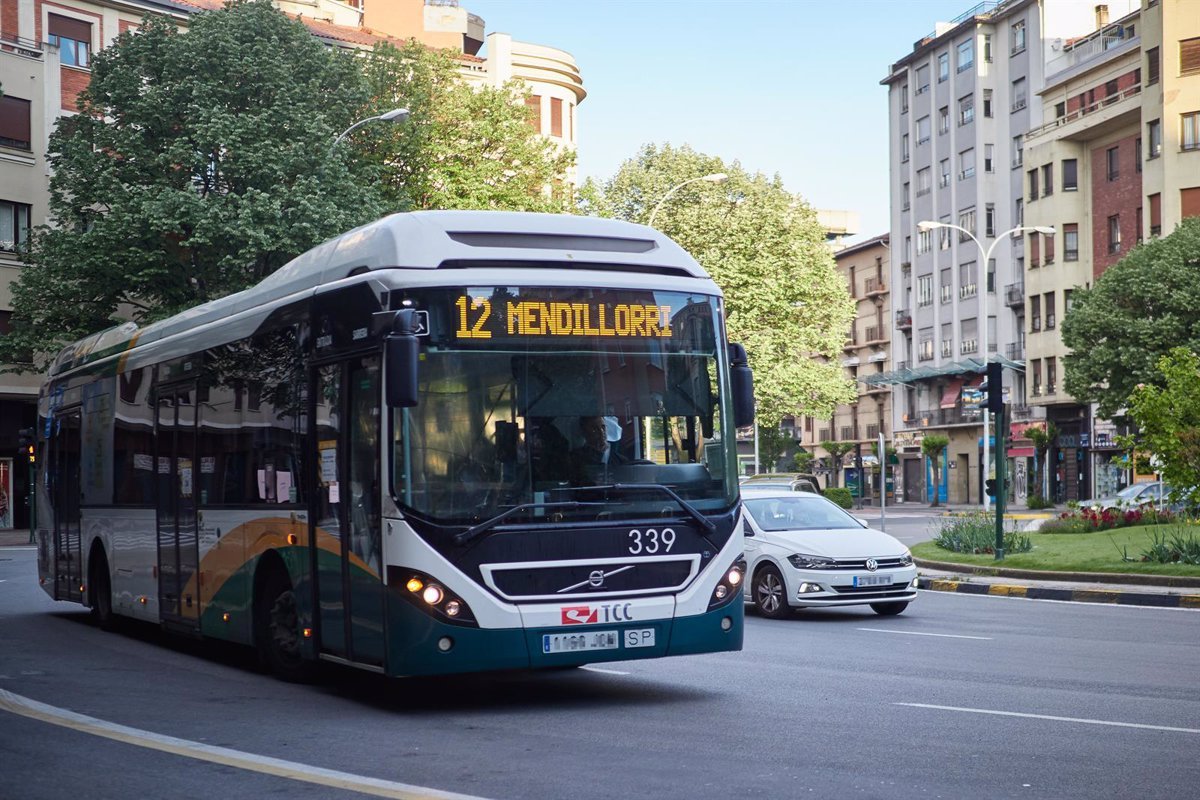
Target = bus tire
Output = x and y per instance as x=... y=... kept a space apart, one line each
x=100 y=590
x=277 y=628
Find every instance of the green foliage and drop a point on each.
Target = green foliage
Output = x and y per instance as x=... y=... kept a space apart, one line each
x=840 y=496
x=464 y=146
x=1042 y=437
x=766 y=250
x=837 y=451
x=1036 y=501
x=1089 y=520
x=198 y=164
x=1168 y=420
x=1132 y=316
x=976 y=533
x=773 y=442
x=1175 y=545
x=801 y=461
x=932 y=446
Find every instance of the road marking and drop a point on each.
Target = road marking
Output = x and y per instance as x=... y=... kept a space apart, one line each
x=1053 y=718
x=291 y=770
x=918 y=633
x=590 y=668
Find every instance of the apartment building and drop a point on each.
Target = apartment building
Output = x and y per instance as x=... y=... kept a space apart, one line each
x=1117 y=160
x=960 y=105
x=45 y=55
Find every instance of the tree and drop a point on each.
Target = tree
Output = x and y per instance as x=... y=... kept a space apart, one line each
x=464 y=146
x=199 y=163
x=837 y=451
x=766 y=250
x=1042 y=438
x=1168 y=420
x=1136 y=311
x=802 y=461
x=773 y=442
x=933 y=446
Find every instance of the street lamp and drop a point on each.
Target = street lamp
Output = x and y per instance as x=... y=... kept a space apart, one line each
x=716 y=177
x=1045 y=230
x=395 y=115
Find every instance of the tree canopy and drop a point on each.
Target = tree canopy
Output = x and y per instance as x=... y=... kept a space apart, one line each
x=766 y=250
x=1168 y=420
x=1133 y=315
x=464 y=146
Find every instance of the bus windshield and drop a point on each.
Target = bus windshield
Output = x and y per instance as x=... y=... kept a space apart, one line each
x=534 y=397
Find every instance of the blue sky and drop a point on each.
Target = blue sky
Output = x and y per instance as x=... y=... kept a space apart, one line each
x=781 y=86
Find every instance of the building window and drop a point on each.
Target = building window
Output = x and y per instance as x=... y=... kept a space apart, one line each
x=1017 y=37
x=944 y=174
x=923 y=130
x=966 y=220
x=1035 y=313
x=925 y=290
x=947 y=285
x=1033 y=184
x=533 y=104
x=1153 y=66
x=923 y=242
x=966 y=109
x=1189 y=202
x=923 y=79
x=987 y=103
x=1114 y=233
x=966 y=55
x=1018 y=151
x=904 y=147
x=1155 y=214
x=991 y=283
x=904 y=98
x=1018 y=94
x=966 y=280
x=944 y=238
x=1047 y=249
x=1019 y=212
x=905 y=200
x=926 y=351
x=1154 y=138
x=989 y=163
x=944 y=120
x=1060 y=110
x=1189 y=56
x=1137 y=155
x=924 y=181
x=1113 y=159
x=1035 y=253
x=943 y=64
x=1047 y=180
x=989 y=220
x=14 y=226
x=1070 y=175
x=1137 y=228
x=1189 y=135
x=556 y=117
x=14 y=123
x=1071 y=242
x=966 y=164
x=73 y=38
x=987 y=48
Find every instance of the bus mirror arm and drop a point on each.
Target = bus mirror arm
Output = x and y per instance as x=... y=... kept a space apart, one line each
x=401 y=356
x=742 y=386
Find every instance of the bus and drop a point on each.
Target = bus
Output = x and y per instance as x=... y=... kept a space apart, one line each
x=442 y=442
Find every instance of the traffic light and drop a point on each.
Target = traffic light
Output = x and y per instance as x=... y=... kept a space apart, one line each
x=27 y=441
x=989 y=487
x=995 y=384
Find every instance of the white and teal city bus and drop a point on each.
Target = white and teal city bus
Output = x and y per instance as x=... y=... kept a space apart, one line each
x=442 y=442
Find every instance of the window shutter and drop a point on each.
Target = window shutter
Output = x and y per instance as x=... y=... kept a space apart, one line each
x=1189 y=201
x=14 y=122
x=555 y=116
x=1155 y=210
x=1189 y=56
x=70 y=28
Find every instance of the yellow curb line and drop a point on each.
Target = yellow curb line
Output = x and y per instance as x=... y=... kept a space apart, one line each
x=946 y=586
x=1189 y=601
x=1007 y=591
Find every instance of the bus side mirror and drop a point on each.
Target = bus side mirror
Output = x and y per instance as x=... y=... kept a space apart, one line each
x=742 y=386
x=401 y=356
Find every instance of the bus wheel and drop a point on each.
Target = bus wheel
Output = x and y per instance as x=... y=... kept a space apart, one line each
x=277 y=630
x=100 y=591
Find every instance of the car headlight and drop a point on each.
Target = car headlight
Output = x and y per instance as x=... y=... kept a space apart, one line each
x=906 y=559
x=805 y=561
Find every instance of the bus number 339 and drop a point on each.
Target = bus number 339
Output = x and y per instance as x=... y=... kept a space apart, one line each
x=651 y=540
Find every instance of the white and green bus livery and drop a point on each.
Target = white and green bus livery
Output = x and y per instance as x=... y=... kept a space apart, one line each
x=442 y=442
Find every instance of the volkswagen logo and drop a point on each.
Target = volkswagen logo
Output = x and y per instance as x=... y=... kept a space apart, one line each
x=596 y=578
x=872 y=565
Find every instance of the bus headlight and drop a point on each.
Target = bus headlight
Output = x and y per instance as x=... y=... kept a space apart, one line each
x=431 y=596
x=727 y=588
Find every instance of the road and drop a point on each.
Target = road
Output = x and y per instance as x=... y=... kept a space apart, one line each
x=961 y=696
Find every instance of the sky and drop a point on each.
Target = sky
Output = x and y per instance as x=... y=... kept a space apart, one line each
x=781 y=86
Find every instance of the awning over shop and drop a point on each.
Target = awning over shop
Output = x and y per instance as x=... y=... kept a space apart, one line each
x=950 y=395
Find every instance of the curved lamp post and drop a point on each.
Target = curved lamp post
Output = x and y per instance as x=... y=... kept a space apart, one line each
x=716 y=177
x=395 y=115
x=1045 y=230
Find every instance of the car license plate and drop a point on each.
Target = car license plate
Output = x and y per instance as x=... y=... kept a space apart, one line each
x=872 y=580
x=578 y=642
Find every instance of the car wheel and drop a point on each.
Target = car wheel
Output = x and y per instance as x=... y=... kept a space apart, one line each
x=888 y=609
x=770 y=593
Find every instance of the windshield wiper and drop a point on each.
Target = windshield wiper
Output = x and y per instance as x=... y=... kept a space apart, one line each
x=691 y=510
x=483 y=527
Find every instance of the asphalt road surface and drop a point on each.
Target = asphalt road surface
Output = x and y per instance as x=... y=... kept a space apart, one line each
x=961 y=696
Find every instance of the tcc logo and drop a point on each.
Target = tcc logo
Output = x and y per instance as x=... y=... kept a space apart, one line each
x=609 y=612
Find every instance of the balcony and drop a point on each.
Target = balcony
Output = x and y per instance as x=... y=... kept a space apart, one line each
x=849 y=433
x=22 y=47
x=1014 y=294
x=904 y=319
x=1020 y=412
x=1015 y=351
x=947 y=349
x=968 y=346
x=875 y=286
x=903 y=365
x=969 y=290
x=876 y=333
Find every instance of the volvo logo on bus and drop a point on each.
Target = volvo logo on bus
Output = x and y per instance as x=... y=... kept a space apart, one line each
x=596 y=578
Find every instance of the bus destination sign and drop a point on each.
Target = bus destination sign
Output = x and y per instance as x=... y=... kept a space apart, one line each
x=477 y=319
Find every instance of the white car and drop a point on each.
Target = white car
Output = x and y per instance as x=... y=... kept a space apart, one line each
x=803 y=551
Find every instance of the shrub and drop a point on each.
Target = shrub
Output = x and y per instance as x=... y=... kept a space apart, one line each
x=1036 y=501
x=1089 y=520
x=976 y=533
x=840 y=495
x=1174 y=545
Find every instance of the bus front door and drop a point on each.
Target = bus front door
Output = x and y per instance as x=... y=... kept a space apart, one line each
x=64 y=471
x=346 y=522
x=178 y=548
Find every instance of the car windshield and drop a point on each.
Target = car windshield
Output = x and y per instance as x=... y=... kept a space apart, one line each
x=528 y=396
x=1131 y=492
x=801 y=512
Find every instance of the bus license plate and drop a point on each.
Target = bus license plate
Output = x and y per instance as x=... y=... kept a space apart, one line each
x=579 y=642
x=873 y=580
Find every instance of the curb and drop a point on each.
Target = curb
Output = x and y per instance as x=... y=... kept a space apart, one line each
x=1169 y=581
x=1077 y=595
x=1020 y=516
